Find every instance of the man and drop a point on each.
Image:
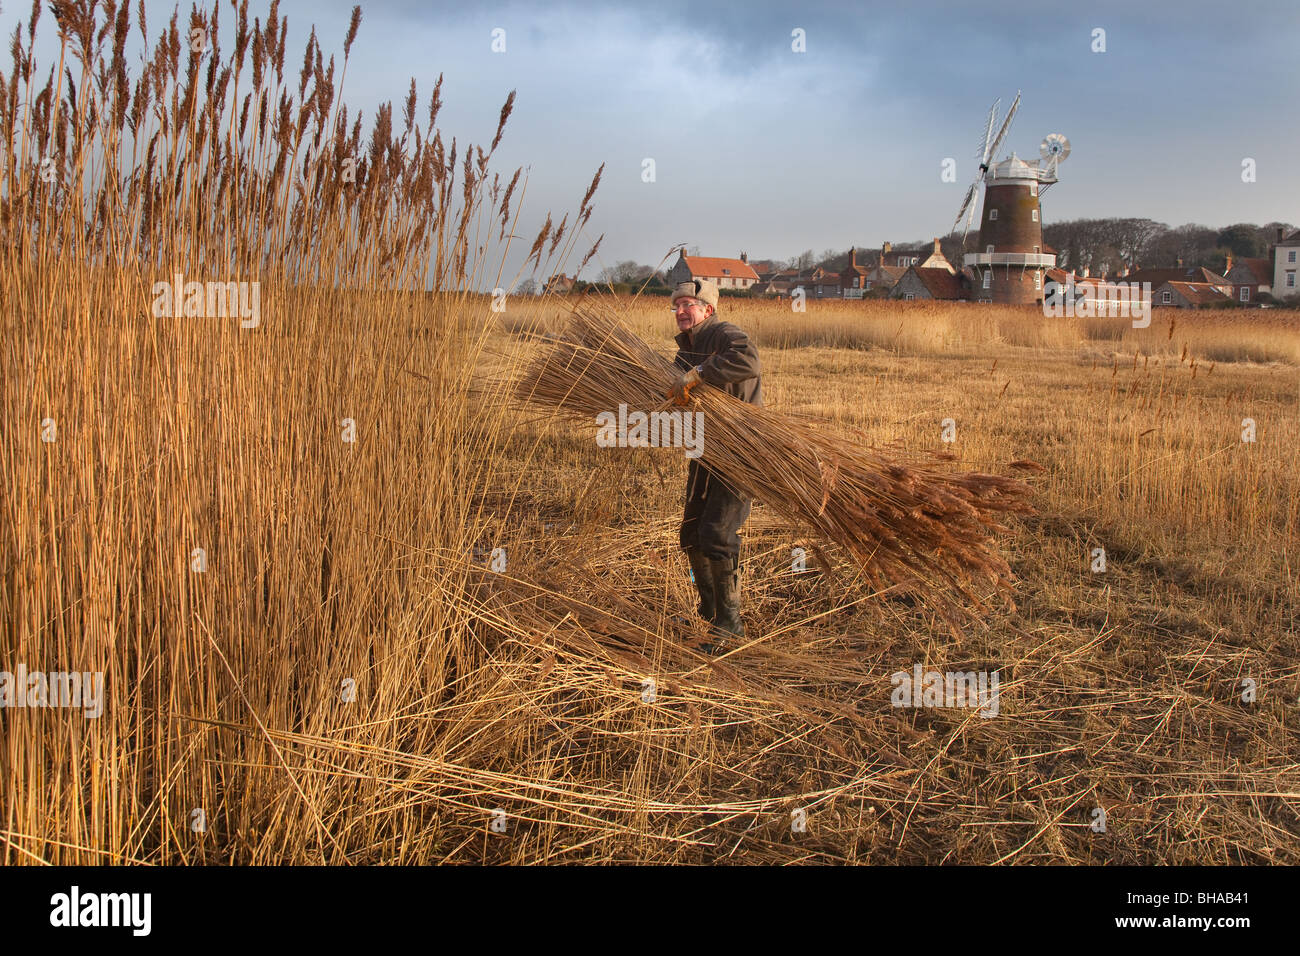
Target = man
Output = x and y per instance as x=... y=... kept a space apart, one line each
x=718 y=354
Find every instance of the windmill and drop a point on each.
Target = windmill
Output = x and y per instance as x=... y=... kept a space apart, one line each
x=987 y=151
x=1011 y=261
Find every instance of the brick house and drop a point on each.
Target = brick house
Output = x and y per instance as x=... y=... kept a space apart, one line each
x=727 y=273
x=817 y=283
x=1187 y=295
x=932 y=283
x=1250 y=278
x=1195 y=275
x=853 y=277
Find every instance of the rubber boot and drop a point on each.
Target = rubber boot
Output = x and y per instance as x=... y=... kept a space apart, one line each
x=703 y=583
x=727 y=625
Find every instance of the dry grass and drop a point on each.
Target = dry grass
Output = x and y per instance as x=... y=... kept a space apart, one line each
x=523 y=690
x=911 y=526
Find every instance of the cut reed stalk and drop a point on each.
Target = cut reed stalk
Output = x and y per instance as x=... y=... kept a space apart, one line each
x=907 y=523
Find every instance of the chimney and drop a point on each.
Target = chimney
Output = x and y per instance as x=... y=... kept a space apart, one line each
x=937 y=250
x=1279 y=234
x=1087 y=271
x=1227 y=266
x=744 y=257
x=853 y=257
x=884 y=250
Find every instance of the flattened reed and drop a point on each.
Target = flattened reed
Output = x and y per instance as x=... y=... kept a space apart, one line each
x=908 y=523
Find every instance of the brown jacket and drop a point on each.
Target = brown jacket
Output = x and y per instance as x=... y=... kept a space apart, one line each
x=727 y=358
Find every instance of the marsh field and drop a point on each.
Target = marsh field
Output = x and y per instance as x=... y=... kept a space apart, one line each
x=354 y=603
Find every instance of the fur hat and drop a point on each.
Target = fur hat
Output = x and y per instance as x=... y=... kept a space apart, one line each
x=703 y=289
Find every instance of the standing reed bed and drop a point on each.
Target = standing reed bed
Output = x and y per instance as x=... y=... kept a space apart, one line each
x=967 y=330
x=213 y=498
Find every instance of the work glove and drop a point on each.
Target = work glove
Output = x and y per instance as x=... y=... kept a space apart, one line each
x=680 y=393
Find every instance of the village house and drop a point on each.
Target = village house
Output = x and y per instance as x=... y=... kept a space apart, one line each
x=1285 y=254
x=1188 y=295
x=727 y=273
x=932 y=277
x=1099 y=295
x=559 y=285
x=1194 y=275
x=932 y=283
x=883 y=277
x=893 y=263
x=1250 y=278
x=773 y=281
x=853 y=277
x=817 y=283
x=778 y=283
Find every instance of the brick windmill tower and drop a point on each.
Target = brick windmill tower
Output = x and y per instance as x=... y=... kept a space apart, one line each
x=1011 y=263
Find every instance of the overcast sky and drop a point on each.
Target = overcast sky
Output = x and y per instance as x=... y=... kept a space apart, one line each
x=761 y=148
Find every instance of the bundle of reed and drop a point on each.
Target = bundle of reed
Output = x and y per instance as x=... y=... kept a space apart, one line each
x=909 y=525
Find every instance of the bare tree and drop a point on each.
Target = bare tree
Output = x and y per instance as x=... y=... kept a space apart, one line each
x=626 y=271
x=1131 y=237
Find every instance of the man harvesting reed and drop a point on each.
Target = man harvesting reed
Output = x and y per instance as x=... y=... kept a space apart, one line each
x=718 y=354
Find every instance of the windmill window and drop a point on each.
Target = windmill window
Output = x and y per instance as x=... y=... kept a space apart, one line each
x=1035 y=250
x=993 y=214
x=990 y=250
x=988 y=279
x=1033 y=214
x=1165 y=297
x=1038 y=280
x=909 y=297
x=1245 y=294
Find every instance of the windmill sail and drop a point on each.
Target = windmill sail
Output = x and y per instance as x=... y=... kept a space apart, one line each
x=1006 y=125
x=967 y=203
x=988 y=131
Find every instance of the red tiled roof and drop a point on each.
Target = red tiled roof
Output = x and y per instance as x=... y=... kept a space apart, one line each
x=712 y=268
x=1261 y=270
x=1183 y=274
x=1197 y=293
x=940 y=283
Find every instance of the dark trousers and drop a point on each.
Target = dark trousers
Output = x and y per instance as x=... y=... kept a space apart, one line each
x=714 y=513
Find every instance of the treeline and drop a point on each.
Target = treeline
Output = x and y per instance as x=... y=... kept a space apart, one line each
x=1109 y=245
